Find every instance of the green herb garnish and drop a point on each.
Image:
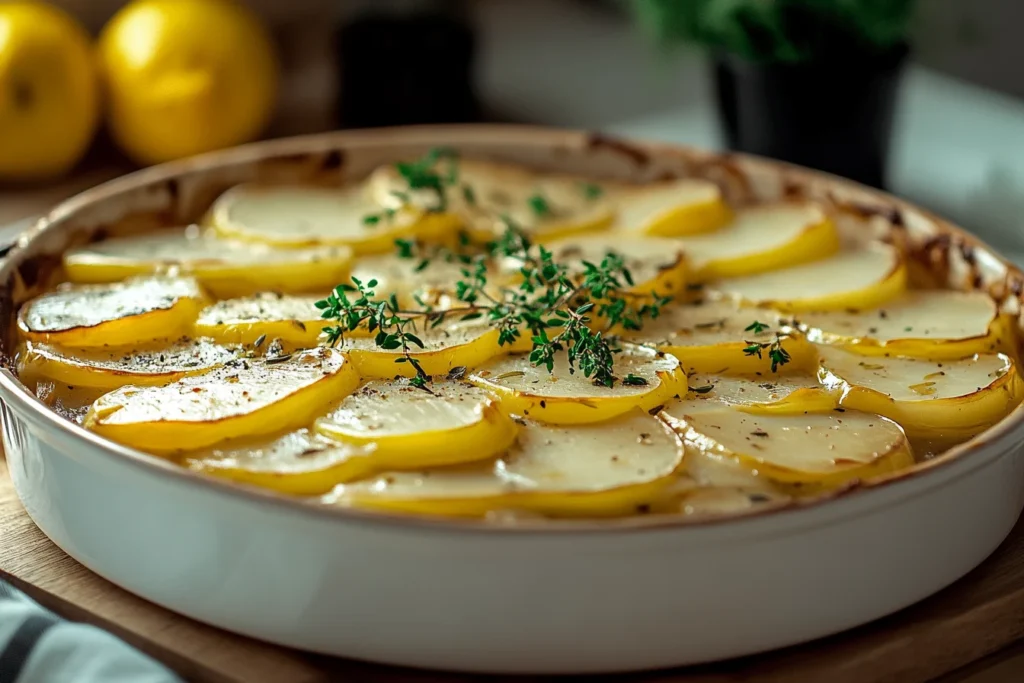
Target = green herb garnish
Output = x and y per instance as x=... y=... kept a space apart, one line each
x=426 y=174
x=405 y=248
x=540 y=206
x=776 y=353
x=592 y=191
x=554 y=303
x=395 y=328
x=387 y=216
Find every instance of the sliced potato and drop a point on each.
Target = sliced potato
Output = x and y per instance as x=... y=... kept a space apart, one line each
x=447 y=423
x=433 y=284
x=711 y=338
x=292 y=319
x=573 y=206
x=300 y=463
x=138 y=310
x=763 y=238
x=949 y=400
x=858 y=278
x=715 y=487
x=791 y=394
x=600 y=470
x=70 y=402
x=306 y=215
x=545 y=207
x=932 y=324
x=446 y=347
x=113 y=368
x=820 y=450
x=390 y=189
x=655 y=264
x=722 y=501
x=671 y=208
x=244 y=398
x=562 y=397
x=225 y=268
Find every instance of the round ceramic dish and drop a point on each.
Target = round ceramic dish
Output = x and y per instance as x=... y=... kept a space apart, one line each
x=537 y=597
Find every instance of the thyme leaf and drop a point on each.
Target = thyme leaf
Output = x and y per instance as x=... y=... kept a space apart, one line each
x=558 y=306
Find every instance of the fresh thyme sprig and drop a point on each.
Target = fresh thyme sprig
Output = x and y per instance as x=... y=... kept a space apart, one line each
x=540 y=206
x=552 y=302
x=776 y=353
x=592 y=191
x=552 y=297
x=385 y=216
x=384 y=317
x=425 y=174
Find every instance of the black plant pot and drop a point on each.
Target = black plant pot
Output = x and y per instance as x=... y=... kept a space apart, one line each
x=834 y=116
x=405 y=62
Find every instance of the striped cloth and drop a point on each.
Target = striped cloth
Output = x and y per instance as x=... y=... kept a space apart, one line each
x=38 y=647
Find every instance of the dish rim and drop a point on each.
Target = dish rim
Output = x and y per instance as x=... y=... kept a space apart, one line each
x=27 y=403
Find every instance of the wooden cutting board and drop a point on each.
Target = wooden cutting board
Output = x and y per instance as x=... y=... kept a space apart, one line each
x=978 y=616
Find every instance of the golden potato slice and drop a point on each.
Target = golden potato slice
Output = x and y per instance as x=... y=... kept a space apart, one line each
x=447 y=423
x=545 y=207
x=671 y=208
x=390 y=189
x=932 y=324
x=791 y=394
x=820 y=450
x=300 y=463
x=70 y=402
x=950 y=400
x=763 y=238
x=705 y=470
x=600 y=470
x=137 y=310
x=306 y=215
x=655 y=264
x=725 y=501
x=433 y=285
x=225 y=268
x=646 y=379
x=113 y=368
x=862 y=278
x=715 y=487
x=292 y=319
x=241 y=399
x=449 y=346
x=711 y=337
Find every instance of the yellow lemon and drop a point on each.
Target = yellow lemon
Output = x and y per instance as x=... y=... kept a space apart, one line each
x=49 y=103
x=186 y=76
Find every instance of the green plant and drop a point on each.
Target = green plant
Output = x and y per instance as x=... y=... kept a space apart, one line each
x=779 y=30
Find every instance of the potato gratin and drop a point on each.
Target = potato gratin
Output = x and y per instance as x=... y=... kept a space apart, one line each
x=501 y=342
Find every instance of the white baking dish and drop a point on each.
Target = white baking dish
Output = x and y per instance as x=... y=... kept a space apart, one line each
x=537 y=597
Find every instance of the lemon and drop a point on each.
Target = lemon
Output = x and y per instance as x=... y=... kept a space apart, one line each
x=186 y=76
x=49 y=101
